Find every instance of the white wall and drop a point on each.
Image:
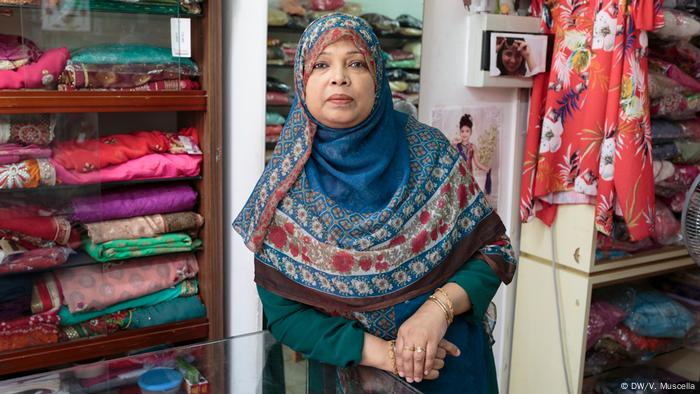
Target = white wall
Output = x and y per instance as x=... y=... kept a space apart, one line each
x=245 y=51
x=442 y=84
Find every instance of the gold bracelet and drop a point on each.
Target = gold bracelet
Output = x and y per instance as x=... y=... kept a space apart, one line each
x=442 y=306
x=392 y=356
x=447 y=300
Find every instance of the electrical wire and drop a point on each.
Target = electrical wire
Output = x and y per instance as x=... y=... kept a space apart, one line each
x=562 y=343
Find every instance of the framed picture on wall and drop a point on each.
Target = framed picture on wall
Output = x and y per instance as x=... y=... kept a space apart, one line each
x=516 y=54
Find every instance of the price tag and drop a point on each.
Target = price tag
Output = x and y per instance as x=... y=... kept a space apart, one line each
x=181 y=37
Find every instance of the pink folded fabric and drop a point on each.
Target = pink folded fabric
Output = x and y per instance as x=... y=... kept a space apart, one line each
x=95 y=287
x=43 y=74
x=157 y=165
x=14 y=153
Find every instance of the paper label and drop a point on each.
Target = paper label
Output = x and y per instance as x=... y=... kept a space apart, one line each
x=181 y=37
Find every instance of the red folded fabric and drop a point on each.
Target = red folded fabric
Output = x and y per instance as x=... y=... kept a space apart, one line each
x=34 y=260
x=37 y=223
x=168 y=84
x=91 y=155
x=34 y=330
x=277 y=98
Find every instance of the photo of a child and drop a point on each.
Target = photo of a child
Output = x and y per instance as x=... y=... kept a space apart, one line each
x=474 y=132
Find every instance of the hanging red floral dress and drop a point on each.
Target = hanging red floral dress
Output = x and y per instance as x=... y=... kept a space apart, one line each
x=589 y=132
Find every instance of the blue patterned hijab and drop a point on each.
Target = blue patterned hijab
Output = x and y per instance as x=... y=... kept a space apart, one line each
x=361 y=218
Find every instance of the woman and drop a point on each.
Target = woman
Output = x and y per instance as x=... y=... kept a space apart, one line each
x=361 y=215
x=514 y=57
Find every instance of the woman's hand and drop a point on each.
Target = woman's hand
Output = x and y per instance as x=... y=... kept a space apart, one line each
x=418 y=342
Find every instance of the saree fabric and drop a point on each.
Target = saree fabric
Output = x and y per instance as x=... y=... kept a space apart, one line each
x=152 y=86
x=27 y=174
x=27 y=129
x=29 y=331
x=32 y=260
x=91 y=155
x=152 y=166
x=109 y=76
x=122 y=249
x=589 y=134
x=16 y=51
x=13 y=153
x=145 y=226
x=42 y=74
x=323 y=238
x=94 y=287
x=126 y=203
x=38 y=223
x=188 y=287
x=176 y=310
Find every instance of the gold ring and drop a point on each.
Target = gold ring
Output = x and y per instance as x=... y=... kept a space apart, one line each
x=419 y=349
x=409 y=348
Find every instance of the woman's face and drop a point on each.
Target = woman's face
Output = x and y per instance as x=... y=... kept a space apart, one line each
x=512 y=59
x=340 y=89
x=466 y=133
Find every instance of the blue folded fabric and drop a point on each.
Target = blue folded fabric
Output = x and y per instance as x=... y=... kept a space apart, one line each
x=654 y=314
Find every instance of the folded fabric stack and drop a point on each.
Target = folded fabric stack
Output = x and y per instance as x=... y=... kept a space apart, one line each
x=278 y=93
x=273 y=126
x=128 y=67
x=139 y=222
x=279 y=53
x=684 y=287
x=124 y=157
x=628 y=325
x=20 y=328
x=33 y=238
x=24 y=153
x=102 y=299
x=404 y=85
x=24 y=66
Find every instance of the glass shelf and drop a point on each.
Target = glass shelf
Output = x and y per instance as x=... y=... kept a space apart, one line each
x=116 y=7
x=248 y=364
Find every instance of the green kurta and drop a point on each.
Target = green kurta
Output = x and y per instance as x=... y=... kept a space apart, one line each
x=339 y=341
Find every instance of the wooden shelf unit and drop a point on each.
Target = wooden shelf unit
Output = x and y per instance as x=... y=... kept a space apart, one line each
x=201 y=109
x=64 y=353
x=536 y=358
x=51 y=101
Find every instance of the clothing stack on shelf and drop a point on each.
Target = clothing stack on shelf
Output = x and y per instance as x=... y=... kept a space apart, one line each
x=24 y=66
x=628 y=325
x=128 y=67
x=24 y=152
x=125 y=67
x=141 y=270
x=127 y=157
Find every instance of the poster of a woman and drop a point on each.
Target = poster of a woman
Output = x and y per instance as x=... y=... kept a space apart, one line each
x=474 y=132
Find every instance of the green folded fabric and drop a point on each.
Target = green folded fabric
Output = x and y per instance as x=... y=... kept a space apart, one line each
x=411 y=63
x=167 y=7
x=179 y=309
x=273 y=118
x=127 y=54
x=689 y=152
x=121 y=249
x=188 y=287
